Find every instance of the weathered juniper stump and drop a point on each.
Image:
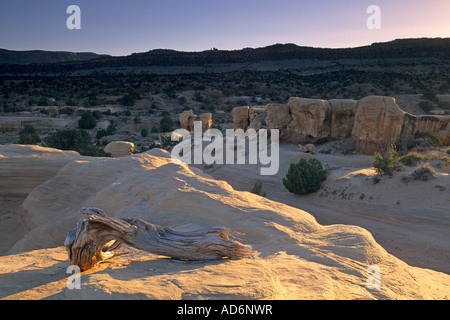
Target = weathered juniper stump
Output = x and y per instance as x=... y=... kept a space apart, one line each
x=99 y=237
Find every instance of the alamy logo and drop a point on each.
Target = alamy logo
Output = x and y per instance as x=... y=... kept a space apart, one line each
x=374 y=277
x=374 y=20
x=74 y=20
x=221 y=150
x=74 y=281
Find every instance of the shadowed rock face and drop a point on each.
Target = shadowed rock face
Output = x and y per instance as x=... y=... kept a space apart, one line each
x=241 y=117
x=342 y=118
x=310 y=117
x=436 y=124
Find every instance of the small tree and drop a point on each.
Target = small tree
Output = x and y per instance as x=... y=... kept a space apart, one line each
x=305 y=177
x=144 y=132
x=76 y=140
x=426 y=105
x=29 y=136
x=87 y=121
x=166 y=124
x=385 y=163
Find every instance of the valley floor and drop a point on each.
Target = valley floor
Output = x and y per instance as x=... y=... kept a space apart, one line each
x=410 y=220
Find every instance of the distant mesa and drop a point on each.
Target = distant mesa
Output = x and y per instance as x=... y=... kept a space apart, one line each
x=15 y=62
x=40 y=56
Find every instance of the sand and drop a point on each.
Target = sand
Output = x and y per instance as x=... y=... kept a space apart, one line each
x=410 y=220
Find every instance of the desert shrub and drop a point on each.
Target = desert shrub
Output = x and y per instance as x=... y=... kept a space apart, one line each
x=257 y=189
x=182 y=100
x=411 y=159
x=305 y=177
x=384 y=164
x=144 y=132
x=100 y=134
x=129 y=99
x=97 y=114
x=426 y=105
x=42 y=102
x=29 y=135
x=71 y=103
x=87 y=121
x=170 y=92
x=111 y=128
x=445 y=105
x=166 y=124
x=94 y=152
x=423 y=173
x=76 y=140
x=430 y=136
x=430 y=96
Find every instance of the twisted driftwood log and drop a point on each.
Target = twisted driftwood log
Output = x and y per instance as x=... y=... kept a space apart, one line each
x=99 y=237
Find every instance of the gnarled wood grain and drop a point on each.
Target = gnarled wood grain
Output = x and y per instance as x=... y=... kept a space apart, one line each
x=98 y=237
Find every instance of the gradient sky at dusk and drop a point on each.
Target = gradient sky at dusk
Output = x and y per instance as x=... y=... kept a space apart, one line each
x=123 y=27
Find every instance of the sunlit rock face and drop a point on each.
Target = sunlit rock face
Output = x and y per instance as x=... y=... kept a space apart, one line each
x=378 y=121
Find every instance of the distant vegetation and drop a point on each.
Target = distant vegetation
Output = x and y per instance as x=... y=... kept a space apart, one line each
x=29 y=136
x=165 y=125
x=77 y=140
x=87 y=121
x=376 y=72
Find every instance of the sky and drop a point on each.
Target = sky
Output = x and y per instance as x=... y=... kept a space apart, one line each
x=123 y=27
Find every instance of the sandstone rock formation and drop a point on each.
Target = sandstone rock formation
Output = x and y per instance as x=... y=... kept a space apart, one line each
x=206 y=119
x=187 y=119
x=302 y=148
x=294 y=256
x=278 y=116
x=342 y=118
x=309 y=148
x=257 y=118
x=436 y=124
x=52 y=110
x=241 y=117
x=310 y=117
x=22 y=168
x=120 y=148
x=378 y=123
x=408 y=130
x=374 y=122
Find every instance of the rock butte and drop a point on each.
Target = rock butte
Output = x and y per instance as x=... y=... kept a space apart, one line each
x=294 y=256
